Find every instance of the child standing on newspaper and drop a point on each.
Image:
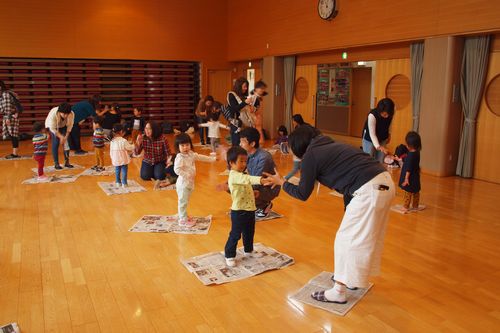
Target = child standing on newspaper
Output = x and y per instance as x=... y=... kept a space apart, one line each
x=185 y=168
x=243 y=207
x=214 y=131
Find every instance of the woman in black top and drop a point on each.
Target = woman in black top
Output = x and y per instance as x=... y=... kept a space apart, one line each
x=237 y=100
x=111 y=117
x=376 y=130
x=368 y=190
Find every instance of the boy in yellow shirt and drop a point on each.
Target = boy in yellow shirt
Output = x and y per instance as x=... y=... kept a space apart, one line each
x=243 y=207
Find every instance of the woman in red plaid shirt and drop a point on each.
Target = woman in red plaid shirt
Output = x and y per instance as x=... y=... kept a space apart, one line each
x=156 y=151
x=10 y=121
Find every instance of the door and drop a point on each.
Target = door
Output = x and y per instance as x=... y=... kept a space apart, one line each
x=306 y=106
x=360 y=99
x=219 y=83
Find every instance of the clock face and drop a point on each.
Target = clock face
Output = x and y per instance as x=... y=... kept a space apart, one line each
x=326 y=9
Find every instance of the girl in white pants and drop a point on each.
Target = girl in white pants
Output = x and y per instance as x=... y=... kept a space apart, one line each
x=185 y=168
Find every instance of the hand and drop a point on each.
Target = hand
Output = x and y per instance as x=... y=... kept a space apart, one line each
x=249 y=100
x=7 y=122
x=224 y=187
x=139 y=140
x=272 y=180
x=405 y=183
x=256 y=194
x=383 y=149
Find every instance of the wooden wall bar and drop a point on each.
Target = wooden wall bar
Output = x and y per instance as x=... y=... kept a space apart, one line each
x=166 y=90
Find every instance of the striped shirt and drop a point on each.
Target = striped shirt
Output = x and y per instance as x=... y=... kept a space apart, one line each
x=98 y=138
x=41 y=144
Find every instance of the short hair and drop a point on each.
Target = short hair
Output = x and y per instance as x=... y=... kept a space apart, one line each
x=283 y=129
x=139 y=108
x=215 y=116
x=233 y=153
x=98 y=120
x=260 y=84
x=385 y=105
x=64 y=108
x=117 y=128
x=413 y=140
x=38 y=126
x=208 y=98
x=182 y=138
x=251 y=134
x=156 y=128
x=217 y=105
x=301 y=138
x=298 y=119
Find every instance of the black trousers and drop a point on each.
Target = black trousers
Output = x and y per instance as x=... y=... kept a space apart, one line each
x=242 y=224
x=74 y=138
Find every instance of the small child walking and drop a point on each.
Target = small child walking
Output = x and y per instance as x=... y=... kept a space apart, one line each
x=98 y=139
x=409 y=180
x=185 y=168
x=120 y=157
x=243 y=207
x=41 y=145
x=214 y=131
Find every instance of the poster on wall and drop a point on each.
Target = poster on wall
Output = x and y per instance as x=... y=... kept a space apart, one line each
x=333 y=86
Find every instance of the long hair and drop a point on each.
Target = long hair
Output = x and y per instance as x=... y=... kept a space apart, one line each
x=203 y=105
x=95 y=100
x=237 y=88
x=3 y=87
x=156 y=129
x=385 y=105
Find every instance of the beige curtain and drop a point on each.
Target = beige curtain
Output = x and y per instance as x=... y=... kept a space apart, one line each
x=472 y=77
x=289 y=69
x=417 y=61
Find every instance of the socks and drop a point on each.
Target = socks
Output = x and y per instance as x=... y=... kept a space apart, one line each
x=337 y=293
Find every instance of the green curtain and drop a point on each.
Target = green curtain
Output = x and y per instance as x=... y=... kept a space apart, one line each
x=472 y=78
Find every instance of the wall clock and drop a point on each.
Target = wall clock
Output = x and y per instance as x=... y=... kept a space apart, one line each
x=327 y=9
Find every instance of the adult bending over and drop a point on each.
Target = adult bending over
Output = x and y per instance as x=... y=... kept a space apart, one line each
x=359 y=240
x=60 y=121
x=376 y=131
x=83 y=110
x=156 y=152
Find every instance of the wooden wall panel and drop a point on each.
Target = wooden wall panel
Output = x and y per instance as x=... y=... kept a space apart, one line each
x=194 y=30
x=307 y=109
x=293 y=26
x=219 y=83
x=487 y=157
x=402 y=122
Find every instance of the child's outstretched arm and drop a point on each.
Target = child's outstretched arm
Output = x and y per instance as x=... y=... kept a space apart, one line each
x=244 y=179
x=204 y=158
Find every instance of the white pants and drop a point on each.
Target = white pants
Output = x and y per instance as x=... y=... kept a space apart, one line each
x=183 y=194
x=360 y=238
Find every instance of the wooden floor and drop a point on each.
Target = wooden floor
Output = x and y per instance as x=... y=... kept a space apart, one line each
x=68 y=263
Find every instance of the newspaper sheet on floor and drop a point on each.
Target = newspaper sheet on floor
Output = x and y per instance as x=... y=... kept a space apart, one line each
x=52 y=169
x=324 y=281
x=10 y=328
x=211 y=268
x=21 y=157
x=108 y=171
x=51 y=179
x=110 y=188
x=169 y=223
x=399 y=209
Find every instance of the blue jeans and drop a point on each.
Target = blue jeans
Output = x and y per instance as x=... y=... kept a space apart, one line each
x=55 y=146
x=156 y=171
x=123 y=170
x=242 y=224
x=369 y=148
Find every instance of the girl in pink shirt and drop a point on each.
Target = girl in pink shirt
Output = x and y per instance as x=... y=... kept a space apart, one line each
x=120 y=156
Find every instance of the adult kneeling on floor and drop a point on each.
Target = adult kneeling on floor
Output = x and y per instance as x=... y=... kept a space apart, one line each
x=156 y=151
x=368 y=190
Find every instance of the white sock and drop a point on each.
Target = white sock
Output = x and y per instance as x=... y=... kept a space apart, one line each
x=337 y=293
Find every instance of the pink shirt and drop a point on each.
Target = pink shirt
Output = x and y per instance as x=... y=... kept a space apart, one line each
x=118 y=150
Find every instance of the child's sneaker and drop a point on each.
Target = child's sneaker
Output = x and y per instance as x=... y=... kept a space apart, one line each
x=118 y=184
x=190 y=223
x=43 y=178
x=95 y=167
x=253 y=254
x=58 y=167
x=231 y=262
x=124 y=185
